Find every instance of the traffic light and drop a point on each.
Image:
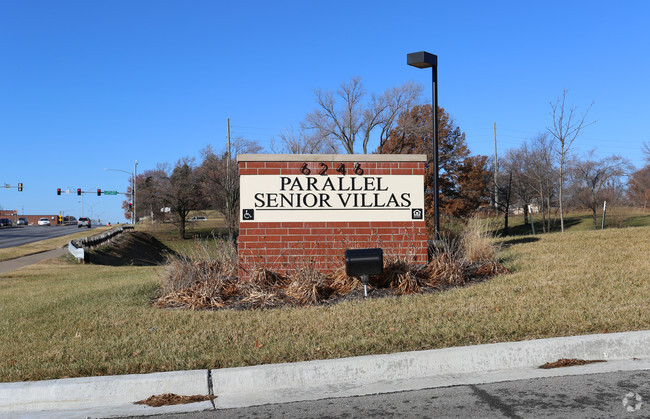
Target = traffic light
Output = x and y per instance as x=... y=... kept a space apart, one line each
x=130 y=207
x=99 y=192
x=58 y=191
x=60 y=219
x=20 y=187
x=78 y=191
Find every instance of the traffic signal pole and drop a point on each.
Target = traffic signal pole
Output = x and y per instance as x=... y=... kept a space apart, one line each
x=19 y=187
x=81 y=194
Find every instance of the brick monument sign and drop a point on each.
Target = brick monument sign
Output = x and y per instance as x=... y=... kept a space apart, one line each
x=305 y=210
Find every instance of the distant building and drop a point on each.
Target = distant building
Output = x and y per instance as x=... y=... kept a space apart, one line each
x=518 y=209
x=32 y=220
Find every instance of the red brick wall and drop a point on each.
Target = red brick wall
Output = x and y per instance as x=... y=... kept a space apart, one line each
x=283 y=246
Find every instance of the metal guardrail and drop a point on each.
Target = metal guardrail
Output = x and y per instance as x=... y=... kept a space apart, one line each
x=77 y=247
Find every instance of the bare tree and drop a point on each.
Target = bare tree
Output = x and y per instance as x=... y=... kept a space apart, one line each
x=539 y=170
x=593 y=176
x=638 y=187
x=150 y=192
x=503 y=189
x=220 y=180
x=182 y=192
x=345 y=118
x=567 y=125
x=514 y=163
x=303 y=142
x=398 y=100
x=645 y=148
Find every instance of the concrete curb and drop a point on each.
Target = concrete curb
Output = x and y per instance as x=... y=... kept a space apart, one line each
x=312 y=380
x=239 y=387
x=99 y=394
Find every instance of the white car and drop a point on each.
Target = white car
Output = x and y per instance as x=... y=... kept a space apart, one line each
x=198 y=218
x=83 y=221
x=43 y=222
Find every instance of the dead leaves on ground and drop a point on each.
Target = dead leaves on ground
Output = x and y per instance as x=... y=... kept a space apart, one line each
x=169 y=399
x=568 y=362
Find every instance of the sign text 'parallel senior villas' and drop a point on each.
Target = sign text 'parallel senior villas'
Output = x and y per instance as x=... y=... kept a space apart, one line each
x=353 y=197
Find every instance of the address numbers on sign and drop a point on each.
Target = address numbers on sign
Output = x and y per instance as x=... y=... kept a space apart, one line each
x=304 y=169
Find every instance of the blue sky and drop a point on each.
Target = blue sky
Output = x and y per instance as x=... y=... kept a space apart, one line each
x=89 y=85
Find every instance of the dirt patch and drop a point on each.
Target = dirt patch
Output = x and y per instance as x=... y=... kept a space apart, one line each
x=130 y=249
x=169 y=399
x=568 y=362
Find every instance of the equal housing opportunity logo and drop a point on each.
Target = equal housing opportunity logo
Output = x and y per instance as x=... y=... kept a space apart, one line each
x=331 y=198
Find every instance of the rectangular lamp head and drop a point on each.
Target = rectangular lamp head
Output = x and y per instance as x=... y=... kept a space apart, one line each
x=422 y=59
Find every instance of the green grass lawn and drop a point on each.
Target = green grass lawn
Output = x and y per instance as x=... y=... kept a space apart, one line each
x=67 y=320
x=616 y=217
x=168 y=232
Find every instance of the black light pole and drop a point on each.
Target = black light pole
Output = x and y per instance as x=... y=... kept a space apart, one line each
x=423 y=59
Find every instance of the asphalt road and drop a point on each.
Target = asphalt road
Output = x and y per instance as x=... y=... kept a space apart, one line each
x=19 y=235
x=609 y=395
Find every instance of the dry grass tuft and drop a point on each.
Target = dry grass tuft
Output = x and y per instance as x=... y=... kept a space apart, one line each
x=409 y=283
x=485 y=269
x=445 y=270
x=201 y=277
x=477 y=241
x=201 y=263
x=260 y=299
x=342 y=284
x=308 y=287
x=264 y=289
x=404 y=277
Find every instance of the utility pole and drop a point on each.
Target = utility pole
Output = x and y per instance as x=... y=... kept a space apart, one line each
x=228 y=152
x=228 y=168
x=496 y=170
x=135 y=177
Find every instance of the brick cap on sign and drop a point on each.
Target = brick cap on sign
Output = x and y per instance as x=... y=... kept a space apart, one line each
x=334 y=157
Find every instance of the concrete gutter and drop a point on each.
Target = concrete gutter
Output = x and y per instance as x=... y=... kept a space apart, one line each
x=77 y=247
x=312 y=380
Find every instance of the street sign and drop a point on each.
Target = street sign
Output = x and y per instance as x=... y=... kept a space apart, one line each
x=110 y=192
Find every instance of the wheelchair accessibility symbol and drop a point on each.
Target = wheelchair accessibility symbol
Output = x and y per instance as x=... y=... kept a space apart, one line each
x=248 y=215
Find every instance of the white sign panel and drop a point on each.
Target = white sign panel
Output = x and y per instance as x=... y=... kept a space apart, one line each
x=286 y=198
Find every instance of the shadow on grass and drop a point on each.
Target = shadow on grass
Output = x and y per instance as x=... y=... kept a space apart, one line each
x=525 y=229
x=522 y=240
x=207 y=233
x=131 y=249
x=638 y=221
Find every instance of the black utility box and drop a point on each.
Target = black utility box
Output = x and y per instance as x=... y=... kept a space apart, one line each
x=360 y=262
